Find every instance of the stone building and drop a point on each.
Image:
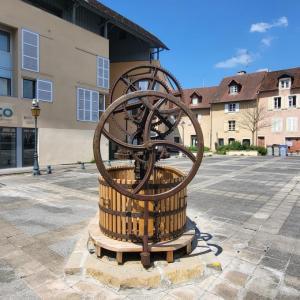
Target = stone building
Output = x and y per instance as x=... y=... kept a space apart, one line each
x=280 y=96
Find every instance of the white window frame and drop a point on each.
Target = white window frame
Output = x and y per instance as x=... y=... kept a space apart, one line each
x=285 y=83
x=291 y=124
x=233 y=89
x=37 y=89
x=232 y=107
x=277 y=125
x=102 y=78
x=195 y=100
x=38 y=50
x=100 y=110
x=91 y=110
x=275 y=103
x=290 y=100
x=231 y=125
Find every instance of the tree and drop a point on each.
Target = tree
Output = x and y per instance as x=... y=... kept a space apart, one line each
x=254 y=119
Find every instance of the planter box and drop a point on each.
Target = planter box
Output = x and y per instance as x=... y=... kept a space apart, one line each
x=242 y=152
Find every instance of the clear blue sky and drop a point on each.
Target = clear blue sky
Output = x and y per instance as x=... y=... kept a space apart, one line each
x=210 y=39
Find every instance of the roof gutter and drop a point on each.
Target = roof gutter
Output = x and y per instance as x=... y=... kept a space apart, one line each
x=94 y=9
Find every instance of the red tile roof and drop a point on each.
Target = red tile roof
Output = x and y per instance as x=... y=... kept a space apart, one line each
x=207 y=94
x=249 y=87
x=270 y=82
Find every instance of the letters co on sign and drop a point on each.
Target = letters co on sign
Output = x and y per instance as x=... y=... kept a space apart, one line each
x=6 y=112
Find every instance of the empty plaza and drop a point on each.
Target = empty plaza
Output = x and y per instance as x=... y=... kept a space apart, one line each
x=246 y=209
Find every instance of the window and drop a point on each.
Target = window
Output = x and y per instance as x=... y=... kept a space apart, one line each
x=88 y=105
x=276 y=124
x=28 y=146
x=231 y=140
x=221 y=142
x=198 y=117
x=285 y=83
x=101 y=104
x=143 y=85
x=292 y=101
x=194 y=141
x=176 y=139
x=5 y=86
x=29 y=88
x=231 y=125
x=277 y=102
x=232 y=107
x=246 y=142
x=4 y=41
x=44 y=90
x=195 y=100
x=7 y=147
x=102 y=72
x=30 y=51
x=233 y=89
x=291 y=124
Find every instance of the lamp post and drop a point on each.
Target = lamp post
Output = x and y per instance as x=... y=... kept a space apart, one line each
x=182 y=123
x=35 y=111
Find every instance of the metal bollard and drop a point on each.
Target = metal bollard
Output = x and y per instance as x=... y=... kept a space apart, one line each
x=49 y=169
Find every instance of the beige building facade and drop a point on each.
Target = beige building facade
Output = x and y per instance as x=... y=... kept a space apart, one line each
x=54 y=52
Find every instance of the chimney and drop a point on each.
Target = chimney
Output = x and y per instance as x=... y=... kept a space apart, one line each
x=241 y=72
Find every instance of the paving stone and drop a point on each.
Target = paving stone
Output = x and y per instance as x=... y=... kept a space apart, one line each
x=254 y=296
x=273 y=263
x=224 y=290
x=187 y=293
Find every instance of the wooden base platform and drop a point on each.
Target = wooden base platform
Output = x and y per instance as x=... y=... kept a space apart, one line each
x=101 y=241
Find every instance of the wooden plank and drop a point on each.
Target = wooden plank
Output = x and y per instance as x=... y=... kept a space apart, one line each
x=170 y=256
x=123 y=209
x=119 y=224
x=120 y=258
x=114 y=207
x=109 y=204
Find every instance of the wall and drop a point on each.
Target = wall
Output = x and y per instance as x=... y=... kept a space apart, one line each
x=187 y=130
x=266 y=100
x=220 y=120
x=68 y=58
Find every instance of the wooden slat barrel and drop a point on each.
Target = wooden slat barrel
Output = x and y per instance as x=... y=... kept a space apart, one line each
x=122 y=218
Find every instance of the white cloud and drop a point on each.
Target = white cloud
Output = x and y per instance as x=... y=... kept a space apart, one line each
x=267 y=41
x=242 y=57
x=263 y=27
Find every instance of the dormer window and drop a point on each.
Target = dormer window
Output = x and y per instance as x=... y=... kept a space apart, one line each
x=195 y=99
x=285 y=83
x=233 y=89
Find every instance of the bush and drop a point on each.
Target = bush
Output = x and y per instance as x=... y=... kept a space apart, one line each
x=238 y=146
x=195 y=149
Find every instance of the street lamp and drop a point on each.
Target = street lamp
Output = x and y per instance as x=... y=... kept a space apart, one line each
x=35 y=111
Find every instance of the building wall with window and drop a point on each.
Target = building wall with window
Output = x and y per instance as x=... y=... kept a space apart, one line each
x=185 y=132
x=58 y=63
x=227 y=122
x=280 y=96
x=283 y=117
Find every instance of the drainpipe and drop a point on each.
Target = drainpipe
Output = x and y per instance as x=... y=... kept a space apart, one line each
x=75 y=5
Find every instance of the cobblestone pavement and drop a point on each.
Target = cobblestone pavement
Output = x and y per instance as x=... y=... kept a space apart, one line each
x=248 y=209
